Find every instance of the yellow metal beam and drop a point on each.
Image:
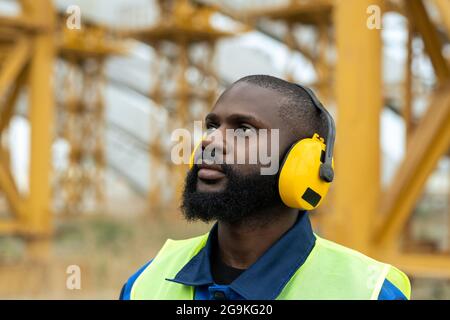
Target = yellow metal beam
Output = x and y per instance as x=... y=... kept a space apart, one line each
x=23 y=22
x=90 y=42
x=423 y=24
x=41 y=109
x=429 y=141
x=7 y=110
x=13 y=65
x=443 y=7
x=180 y=21
x=311 y=11
x=408 y=92
x=357 y=144
x=420 y=264
x=8 y=186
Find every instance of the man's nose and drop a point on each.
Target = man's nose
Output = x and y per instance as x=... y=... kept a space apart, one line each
x=216 y=145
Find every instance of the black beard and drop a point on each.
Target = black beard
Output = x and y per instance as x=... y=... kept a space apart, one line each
x=242 y=200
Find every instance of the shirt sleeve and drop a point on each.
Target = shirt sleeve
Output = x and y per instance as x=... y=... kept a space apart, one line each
x=390 y=292
x=126 y=289
x=396 y=286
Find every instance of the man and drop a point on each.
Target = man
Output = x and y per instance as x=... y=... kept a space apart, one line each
x=259 y=248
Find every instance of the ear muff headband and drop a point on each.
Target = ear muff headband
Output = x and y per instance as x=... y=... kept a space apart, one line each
x=326 y=171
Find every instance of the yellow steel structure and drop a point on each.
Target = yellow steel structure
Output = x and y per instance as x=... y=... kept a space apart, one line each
x=80 y=120
x=359 y=213
x=429 y=141
x=181 y=26
x=356 y=191
x=30 y=61
x=81 y=124
x=29 y=46
x=444 y=10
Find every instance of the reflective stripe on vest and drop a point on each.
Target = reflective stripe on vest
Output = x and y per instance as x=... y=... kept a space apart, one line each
x=331 y=271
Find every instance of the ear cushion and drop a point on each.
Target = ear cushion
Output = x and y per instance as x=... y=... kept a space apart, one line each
x=299 y=183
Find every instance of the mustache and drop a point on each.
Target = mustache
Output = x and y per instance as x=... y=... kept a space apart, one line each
x=241 y=200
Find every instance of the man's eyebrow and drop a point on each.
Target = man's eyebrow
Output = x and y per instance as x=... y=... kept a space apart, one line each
x=237 y=118
x=247 y=118
x=211 y=117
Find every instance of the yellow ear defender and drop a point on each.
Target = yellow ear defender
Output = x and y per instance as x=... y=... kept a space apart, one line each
x=307 y=171
x=299 y=183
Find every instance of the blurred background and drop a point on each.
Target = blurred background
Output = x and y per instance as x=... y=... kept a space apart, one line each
x=90 y=92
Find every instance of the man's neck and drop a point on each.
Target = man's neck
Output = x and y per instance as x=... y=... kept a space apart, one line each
x=240 y=245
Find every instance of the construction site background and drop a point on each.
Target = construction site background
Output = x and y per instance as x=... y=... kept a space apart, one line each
x=90 y=92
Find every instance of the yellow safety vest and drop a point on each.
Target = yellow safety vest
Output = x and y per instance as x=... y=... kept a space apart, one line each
x=331 y=271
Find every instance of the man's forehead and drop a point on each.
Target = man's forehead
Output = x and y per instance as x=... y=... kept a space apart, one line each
x=247 y=98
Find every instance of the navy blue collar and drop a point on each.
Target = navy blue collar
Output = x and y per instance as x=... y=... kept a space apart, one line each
x=266 y=278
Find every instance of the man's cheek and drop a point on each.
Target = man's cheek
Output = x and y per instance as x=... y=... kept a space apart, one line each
x=248 y=155
x=269 y=153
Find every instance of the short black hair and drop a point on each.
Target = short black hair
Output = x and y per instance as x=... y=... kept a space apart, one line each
x=296 y=107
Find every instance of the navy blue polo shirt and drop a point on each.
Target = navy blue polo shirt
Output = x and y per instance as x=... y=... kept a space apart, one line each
x=265 y=279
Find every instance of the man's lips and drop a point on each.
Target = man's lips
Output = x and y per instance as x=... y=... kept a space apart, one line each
x=210 y=172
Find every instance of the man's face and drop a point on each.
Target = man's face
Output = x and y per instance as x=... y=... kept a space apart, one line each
x=231 y=191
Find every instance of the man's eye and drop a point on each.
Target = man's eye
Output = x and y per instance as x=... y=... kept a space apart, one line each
x=210 y=128
x=245 y=131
